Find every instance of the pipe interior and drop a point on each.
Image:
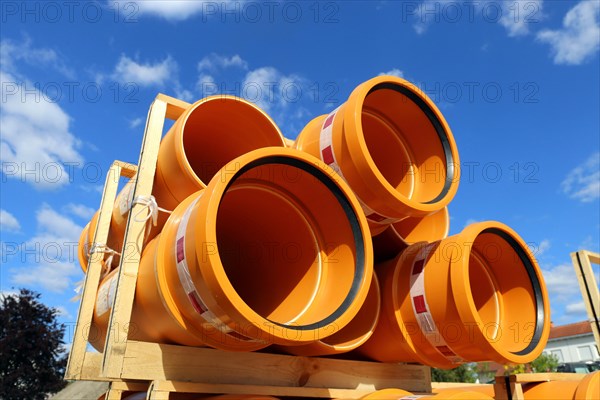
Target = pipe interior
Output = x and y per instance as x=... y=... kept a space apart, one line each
x=286 y=244
x=404 y=144
x=498 y=278
x=221 y=129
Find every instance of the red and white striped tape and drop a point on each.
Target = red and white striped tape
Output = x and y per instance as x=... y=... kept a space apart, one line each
x=422 y=310
x=328 y=157
x=188 y=284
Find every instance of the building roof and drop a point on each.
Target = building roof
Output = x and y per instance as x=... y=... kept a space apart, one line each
x=574 y=329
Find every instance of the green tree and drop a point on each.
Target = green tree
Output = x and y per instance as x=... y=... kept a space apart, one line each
x=545 y=363
x=462 y=373
x=32 y=357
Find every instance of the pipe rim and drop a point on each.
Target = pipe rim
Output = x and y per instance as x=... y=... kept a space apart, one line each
x=363 y=270
x=179 y=144
x=352 y=112
x=461 y=288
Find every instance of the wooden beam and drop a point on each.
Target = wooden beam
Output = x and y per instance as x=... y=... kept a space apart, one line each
x=152 y=361
x=175 y=107
x=92 y=277
x=582 y=262
x=116 y=338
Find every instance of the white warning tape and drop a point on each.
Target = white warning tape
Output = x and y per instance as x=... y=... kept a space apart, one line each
x=421 y=307
x=328 y=156
x=188 y=284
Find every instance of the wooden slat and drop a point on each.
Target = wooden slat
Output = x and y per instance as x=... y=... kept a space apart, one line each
x=92 y=277
x=128 y=170
x=187 y=387
x=546 y=377
x=582 y=262
x=175 y=107
x=116 y=339
x=152 y=361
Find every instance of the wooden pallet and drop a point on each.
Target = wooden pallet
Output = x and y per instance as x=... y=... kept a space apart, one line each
x=511 y=387
x=199 y=370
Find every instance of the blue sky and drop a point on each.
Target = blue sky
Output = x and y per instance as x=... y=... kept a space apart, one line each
x=518 y=83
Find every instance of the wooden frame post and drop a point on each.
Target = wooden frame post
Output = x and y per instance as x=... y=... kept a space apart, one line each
x=582 y=262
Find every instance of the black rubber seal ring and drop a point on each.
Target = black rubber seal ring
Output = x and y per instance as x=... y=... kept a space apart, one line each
x=441 y=132
x=535 y=283
x=359 y=240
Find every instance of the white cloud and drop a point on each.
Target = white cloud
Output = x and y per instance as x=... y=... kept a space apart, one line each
x=80 y=210
x=543 y=247
x=48 y=259
x=149 y=74
x=134 y=123
x=175 y=10
x=579 y=38
x=9 y=222
x=12 y=52
x=561 y=282
x=576 y=308
x=34 y=136
x=214 y=62
x=517 y=15
x=206 y=84
x=583 y=182
x=63 y=312
x=393 y=72
x=8 y=293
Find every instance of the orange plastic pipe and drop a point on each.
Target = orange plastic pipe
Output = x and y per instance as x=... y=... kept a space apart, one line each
x=400 y=235
x=399 y=394
x=394 y=148
x=586 y=389
x=475 y=296
x=458 y=394
x=357 y=332
x=486 y=389
x=387 y=394
x=214 y=275
x=589 y=387
x=209 y=134
x=552 y=390
x=86 y=243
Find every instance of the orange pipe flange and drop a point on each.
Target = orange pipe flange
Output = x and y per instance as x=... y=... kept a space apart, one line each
x=475 y=296
x=353 y=335
x=400 y=235
x=387 y=394
x=209 y=134
x=458 y=394
x=215 y=272
x=552 y=390
x=486 y=389
x=589 y=387
x=394 y=148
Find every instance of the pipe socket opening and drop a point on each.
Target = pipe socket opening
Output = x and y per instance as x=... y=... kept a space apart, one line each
x=505 y=291
x=289 y=242
x=407 y=143
x=220 y=129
